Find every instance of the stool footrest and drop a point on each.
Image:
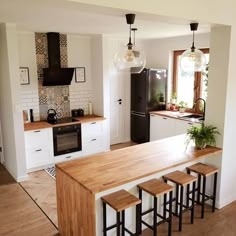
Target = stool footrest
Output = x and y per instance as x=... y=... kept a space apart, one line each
x=112 y=226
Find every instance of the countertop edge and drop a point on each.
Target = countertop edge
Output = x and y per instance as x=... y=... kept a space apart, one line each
x=44 y=124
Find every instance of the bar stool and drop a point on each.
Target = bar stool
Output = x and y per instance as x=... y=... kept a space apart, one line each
x=120 y=201
x=204 y=171
x=157 y=188
x=181 y=180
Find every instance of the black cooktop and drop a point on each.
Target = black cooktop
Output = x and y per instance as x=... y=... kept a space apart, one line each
x=65 y=120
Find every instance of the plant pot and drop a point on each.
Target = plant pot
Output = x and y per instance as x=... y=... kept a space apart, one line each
x=182 y=109
x=200 y=143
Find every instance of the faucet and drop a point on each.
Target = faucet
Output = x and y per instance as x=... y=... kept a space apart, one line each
x=204 y=106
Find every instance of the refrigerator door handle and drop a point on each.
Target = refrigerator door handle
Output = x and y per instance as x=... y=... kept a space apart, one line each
x=136 y=114
x=139 y=113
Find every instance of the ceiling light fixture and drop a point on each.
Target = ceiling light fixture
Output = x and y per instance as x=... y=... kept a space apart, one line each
x=193 y=60
x=129 y=58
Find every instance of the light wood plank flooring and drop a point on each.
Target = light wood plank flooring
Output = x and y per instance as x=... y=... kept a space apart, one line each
x=42 y=188
x=19 y=215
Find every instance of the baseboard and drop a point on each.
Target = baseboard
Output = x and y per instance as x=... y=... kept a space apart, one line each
x=226 y=201
x=17 y=178
x=22 y=178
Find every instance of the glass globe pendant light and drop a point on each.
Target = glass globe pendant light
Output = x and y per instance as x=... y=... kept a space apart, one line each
x=193 y=60
x=129 y=58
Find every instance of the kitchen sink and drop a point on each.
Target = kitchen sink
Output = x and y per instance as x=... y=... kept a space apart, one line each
x=193 y=116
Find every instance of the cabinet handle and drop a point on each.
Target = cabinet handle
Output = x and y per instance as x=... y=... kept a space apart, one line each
x=38 y=150
x=93 y=123
x=164 y=118
x=37 y=131
x=152 y=115
x=94 y=139
x=190 y=123
x=68 y=157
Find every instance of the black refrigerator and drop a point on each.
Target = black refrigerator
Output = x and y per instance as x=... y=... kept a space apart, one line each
x=148 y=93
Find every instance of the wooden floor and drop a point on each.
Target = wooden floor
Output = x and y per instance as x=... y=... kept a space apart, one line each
x=24 y=215
x=19 y=215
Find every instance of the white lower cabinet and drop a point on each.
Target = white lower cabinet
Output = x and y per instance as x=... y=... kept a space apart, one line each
x=39 y=148
x=68 y=156
x=163 y=127
x=39 y=145
x=93 y=137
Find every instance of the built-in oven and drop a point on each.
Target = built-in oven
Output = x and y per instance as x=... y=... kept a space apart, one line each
x=66 y=139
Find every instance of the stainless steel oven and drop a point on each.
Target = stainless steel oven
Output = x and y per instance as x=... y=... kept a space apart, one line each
x=66 y=139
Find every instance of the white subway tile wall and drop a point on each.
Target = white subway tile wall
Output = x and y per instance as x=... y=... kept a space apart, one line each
x=79 y=98
x=30 y=100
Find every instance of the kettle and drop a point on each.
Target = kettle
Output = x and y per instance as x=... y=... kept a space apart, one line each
x=52 y=116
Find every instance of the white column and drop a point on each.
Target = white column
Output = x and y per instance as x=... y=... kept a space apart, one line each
x=10 y=108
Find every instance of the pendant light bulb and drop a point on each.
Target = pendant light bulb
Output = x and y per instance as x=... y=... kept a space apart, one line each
x=193 y=60
x=128 y=58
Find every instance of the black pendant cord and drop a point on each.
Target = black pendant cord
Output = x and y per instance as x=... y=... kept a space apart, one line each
x=134 y=29
x=130 y=45
x=193 y=46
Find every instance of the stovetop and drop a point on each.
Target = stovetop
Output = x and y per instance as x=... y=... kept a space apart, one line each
x=65 y=120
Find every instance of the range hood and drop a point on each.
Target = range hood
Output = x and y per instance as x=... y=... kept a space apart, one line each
x=55 y=75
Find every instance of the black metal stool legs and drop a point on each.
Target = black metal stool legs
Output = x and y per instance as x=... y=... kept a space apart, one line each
x=155 y=216
x=181 y=207
x=104 y=219
x=170 y=214
x=118 y=223
x=214 y=192
x=193 y=202
x=138 y=219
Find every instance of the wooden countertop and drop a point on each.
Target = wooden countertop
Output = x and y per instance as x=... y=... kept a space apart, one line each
x=108 y=170
x=45 y=124
x=176 y=115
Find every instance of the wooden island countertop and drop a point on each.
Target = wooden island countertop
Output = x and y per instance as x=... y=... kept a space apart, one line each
x=108 y=170
x=80 y=181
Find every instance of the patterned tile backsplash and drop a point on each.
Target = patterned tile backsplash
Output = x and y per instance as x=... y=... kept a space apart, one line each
x=56 y=97
x=61 y=98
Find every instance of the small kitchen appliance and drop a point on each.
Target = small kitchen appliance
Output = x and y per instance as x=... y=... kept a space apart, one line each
x=52 y=116
x=77 y=112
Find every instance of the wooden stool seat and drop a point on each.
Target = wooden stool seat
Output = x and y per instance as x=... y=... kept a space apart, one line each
x=203 y=169
x=155 y=187
x=180 y=178
x=121 y=200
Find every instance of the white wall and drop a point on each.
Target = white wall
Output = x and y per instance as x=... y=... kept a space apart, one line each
x=10 y=108
x=79 y=55
x=27 y=58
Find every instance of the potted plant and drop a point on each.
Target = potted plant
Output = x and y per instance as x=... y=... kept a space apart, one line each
x=182 y=106
x=202 y=136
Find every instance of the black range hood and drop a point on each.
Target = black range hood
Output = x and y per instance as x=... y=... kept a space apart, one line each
x=55 y=75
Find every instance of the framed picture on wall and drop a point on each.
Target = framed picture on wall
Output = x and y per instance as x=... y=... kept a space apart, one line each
x=80 y=75
x=24 y=75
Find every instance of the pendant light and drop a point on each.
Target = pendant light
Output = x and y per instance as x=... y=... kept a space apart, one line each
x=130 y=58
x=193 y=60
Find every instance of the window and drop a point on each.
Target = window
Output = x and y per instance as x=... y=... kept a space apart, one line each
x=189 y=85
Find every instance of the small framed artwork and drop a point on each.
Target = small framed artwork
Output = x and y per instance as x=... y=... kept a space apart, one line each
x=80 y=74
x=24 y=75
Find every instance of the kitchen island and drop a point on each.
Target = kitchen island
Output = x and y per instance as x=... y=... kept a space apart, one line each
x=81 y=183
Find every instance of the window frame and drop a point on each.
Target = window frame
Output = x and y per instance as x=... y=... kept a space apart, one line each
x=197 y=78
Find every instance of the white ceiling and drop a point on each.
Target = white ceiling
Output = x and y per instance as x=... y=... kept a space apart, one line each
x=71 y=17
